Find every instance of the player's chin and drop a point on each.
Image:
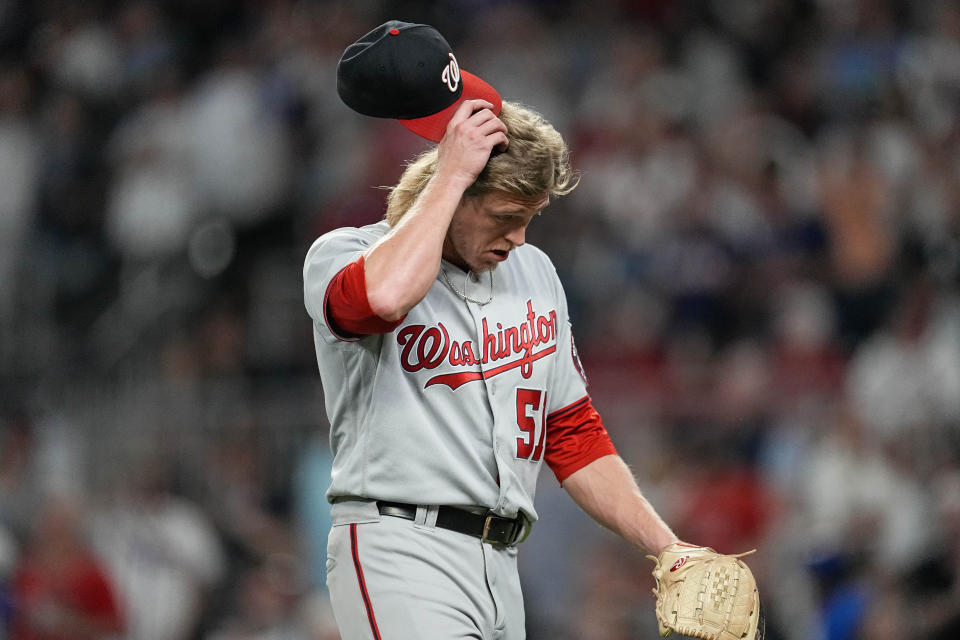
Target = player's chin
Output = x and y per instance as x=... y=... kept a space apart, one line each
x=488 y=261
x=483 y=267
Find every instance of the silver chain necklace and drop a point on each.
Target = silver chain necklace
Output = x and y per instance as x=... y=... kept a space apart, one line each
x=446 y=278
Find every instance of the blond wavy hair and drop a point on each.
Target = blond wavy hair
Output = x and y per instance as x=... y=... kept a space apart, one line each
x=536 y=163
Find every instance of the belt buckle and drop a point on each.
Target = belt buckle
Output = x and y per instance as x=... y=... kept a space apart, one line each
x=514 y=534
x=486 y=529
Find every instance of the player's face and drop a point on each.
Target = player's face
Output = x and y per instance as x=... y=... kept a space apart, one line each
x=485 y=229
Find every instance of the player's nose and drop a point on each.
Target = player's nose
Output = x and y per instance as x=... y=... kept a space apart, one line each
x=517 y=236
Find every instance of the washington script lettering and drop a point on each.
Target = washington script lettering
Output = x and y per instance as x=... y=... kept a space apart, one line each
x=423 y=347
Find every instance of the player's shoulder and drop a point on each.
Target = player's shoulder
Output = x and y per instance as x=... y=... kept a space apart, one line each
x=348 y=239
x=533 y=257
x=531 y=252
x=538 y=270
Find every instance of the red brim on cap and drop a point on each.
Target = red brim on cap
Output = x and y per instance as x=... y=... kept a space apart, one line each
x=433 y=127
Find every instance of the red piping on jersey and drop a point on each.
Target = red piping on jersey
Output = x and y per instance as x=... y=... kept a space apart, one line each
x=363 y=585
x=346 y=309
x=579 y=404
x=575 y=438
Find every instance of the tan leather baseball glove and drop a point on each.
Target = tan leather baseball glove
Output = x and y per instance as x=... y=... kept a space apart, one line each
x=705 y=594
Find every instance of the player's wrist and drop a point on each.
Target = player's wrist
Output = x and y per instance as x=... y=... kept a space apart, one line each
x=456 y=179
x=670 y=542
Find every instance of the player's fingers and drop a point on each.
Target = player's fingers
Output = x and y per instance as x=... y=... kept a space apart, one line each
x=466 y=110
x=488 y=129
x=481 y=115
x=491 y=126
x=471 y=125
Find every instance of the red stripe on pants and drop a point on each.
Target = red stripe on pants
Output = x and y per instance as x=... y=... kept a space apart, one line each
x=362 y=583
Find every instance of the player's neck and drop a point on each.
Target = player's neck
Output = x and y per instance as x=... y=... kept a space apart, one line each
x=453 y=257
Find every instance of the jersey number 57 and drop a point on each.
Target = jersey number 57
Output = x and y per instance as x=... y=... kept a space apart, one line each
x=531 y=419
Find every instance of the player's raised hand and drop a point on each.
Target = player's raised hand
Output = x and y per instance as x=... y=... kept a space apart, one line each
x=471 y=136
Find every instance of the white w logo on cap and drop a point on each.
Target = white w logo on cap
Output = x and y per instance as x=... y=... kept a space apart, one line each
x=451 y=74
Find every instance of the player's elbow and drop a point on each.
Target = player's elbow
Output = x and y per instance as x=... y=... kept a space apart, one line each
x=388 y=305
x=387 y=291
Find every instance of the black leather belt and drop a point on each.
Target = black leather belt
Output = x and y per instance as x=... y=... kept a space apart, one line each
x=487 y=527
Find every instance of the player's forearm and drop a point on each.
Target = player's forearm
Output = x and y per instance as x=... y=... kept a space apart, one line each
x=401 y=267
x=607 y=491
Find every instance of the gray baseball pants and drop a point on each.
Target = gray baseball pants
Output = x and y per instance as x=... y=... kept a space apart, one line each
x=396 y=579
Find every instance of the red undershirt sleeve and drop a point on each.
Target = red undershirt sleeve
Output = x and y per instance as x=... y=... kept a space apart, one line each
x=575 y=438
x=347 y=309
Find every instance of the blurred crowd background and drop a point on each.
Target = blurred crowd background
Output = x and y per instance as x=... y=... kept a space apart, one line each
x=762 y=262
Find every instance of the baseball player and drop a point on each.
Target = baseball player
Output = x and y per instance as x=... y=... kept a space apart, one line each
x=448 y=365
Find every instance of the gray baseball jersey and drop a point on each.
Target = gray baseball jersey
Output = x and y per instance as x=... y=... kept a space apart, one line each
x=452 y=407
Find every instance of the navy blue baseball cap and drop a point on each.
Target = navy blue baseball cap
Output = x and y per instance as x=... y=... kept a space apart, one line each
x=408 y=72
